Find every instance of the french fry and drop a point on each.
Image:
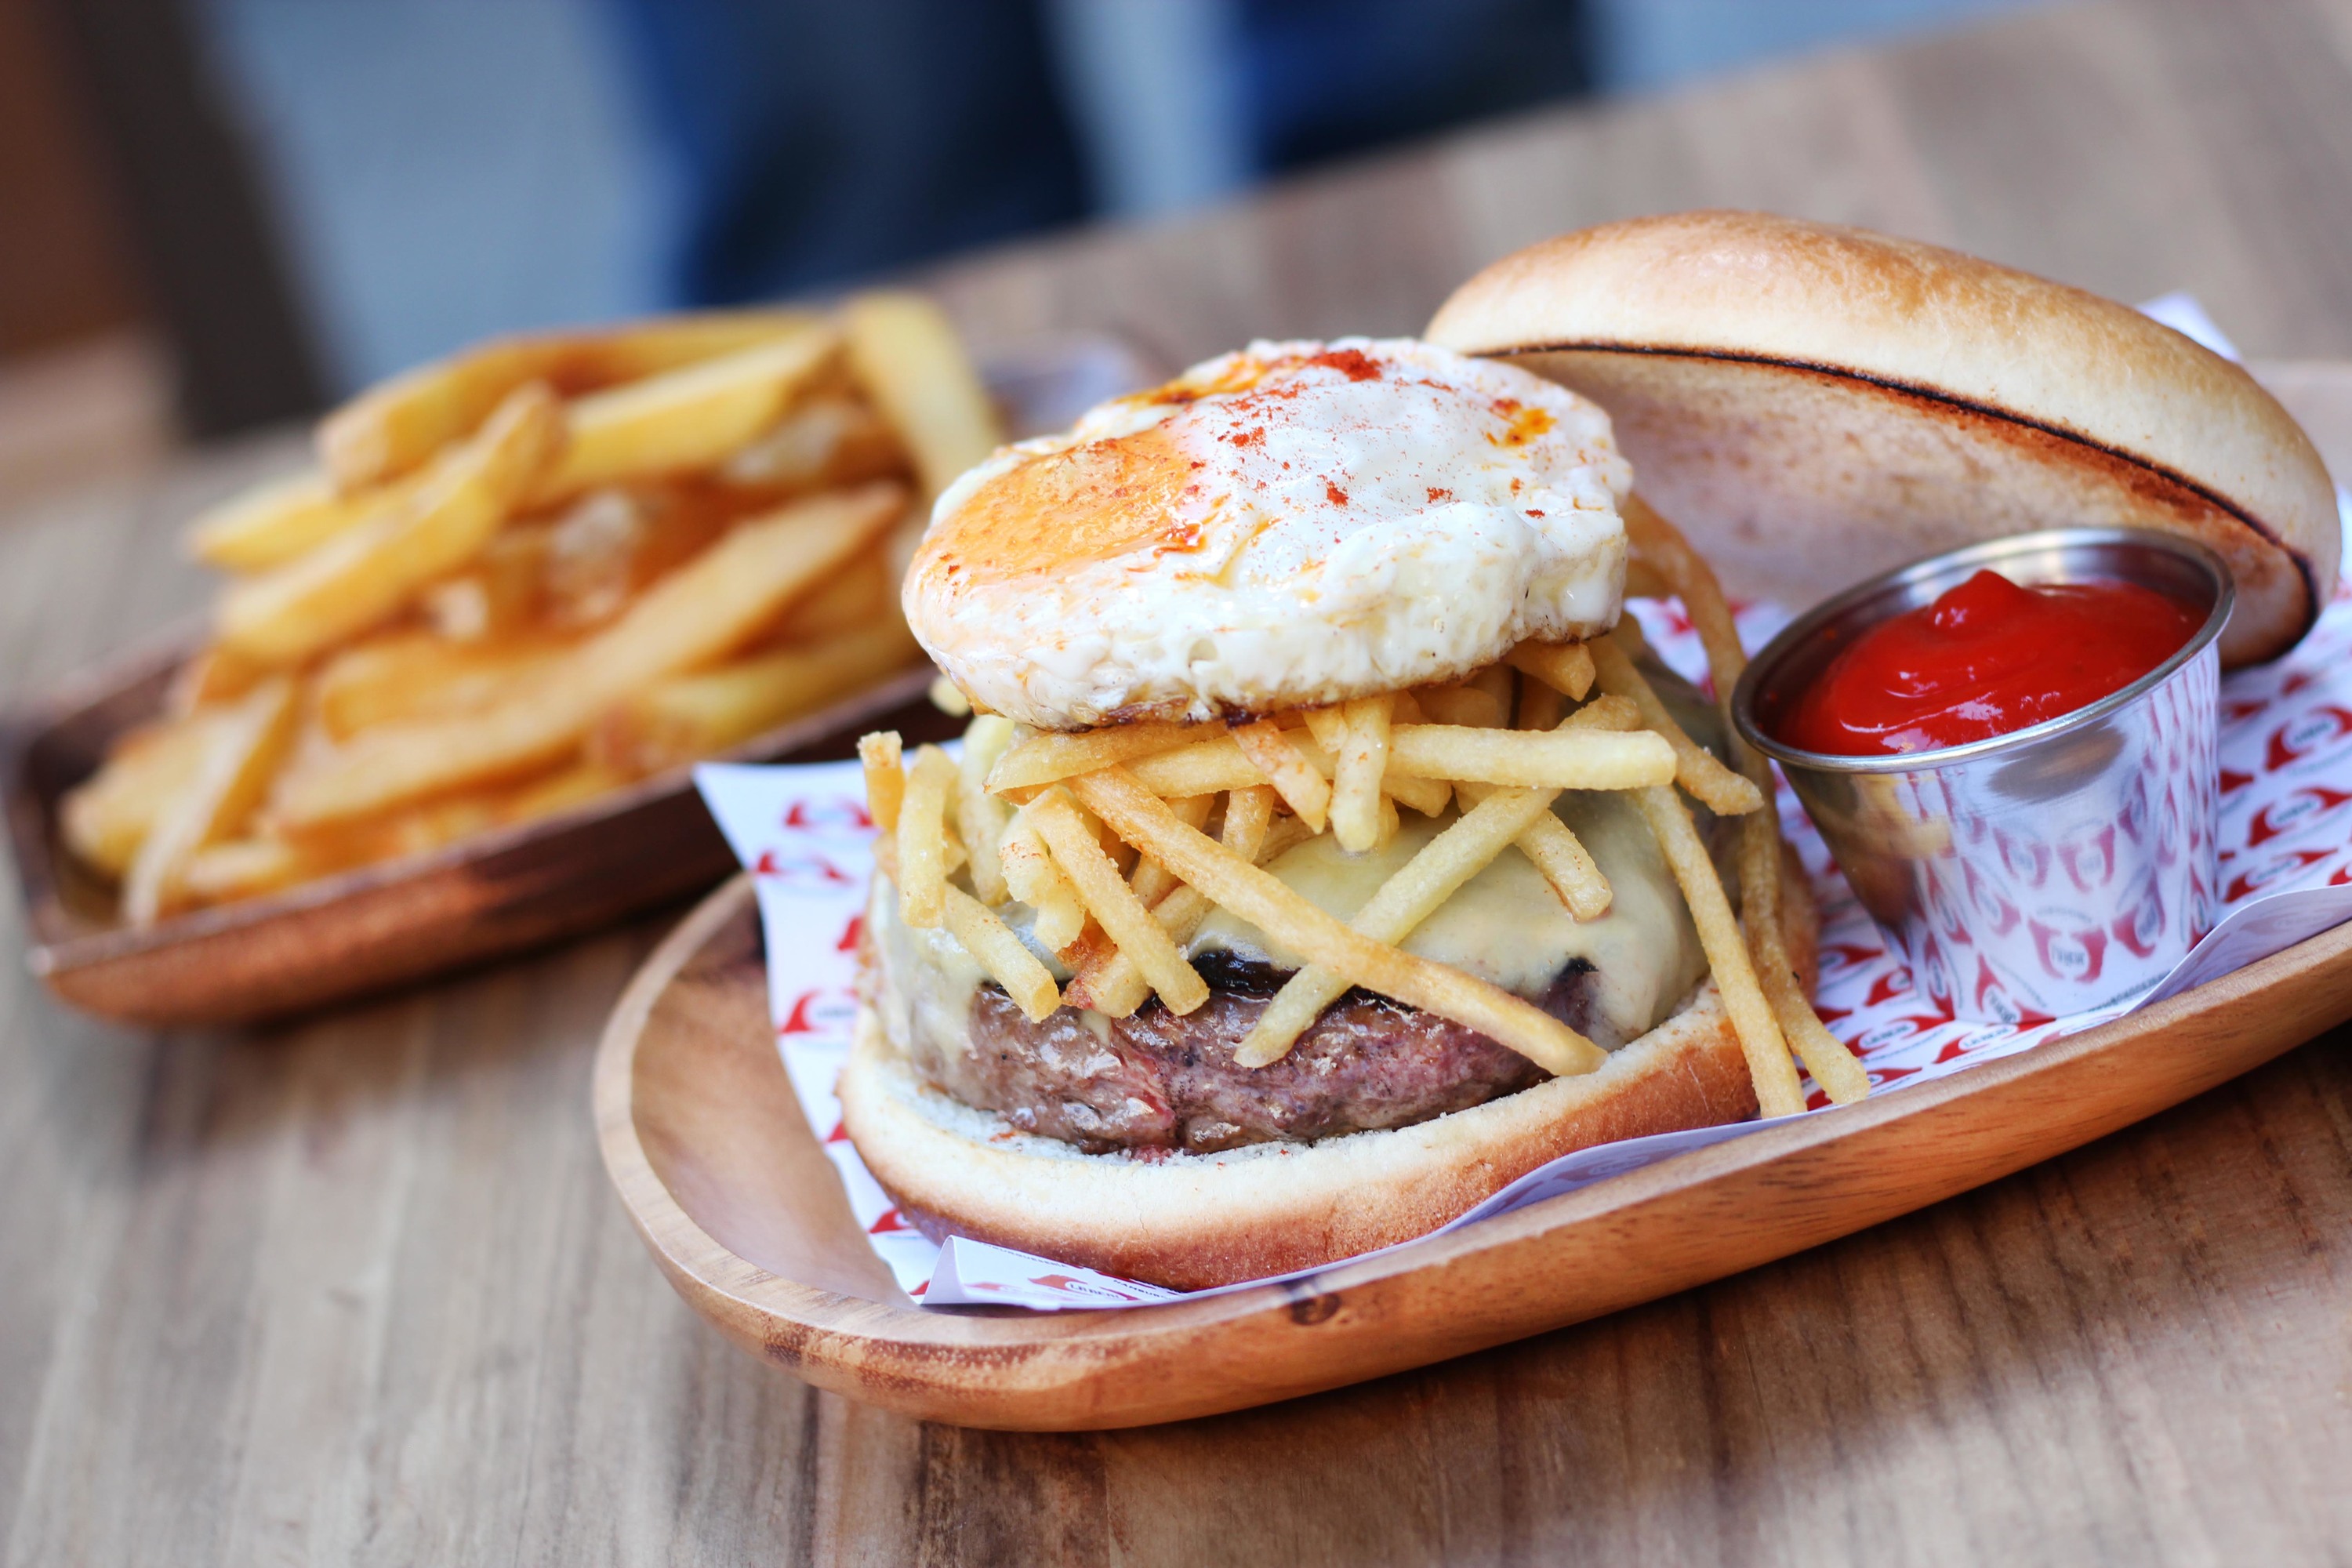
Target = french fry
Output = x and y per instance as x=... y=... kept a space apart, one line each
x=1565 y=667
x=1554 y=760
x=922 y=838
x=1660 y=545
x=697 y=614
x=240 y=753
x=1539 y=707
x=278 y=519
x=993 y=946
x=416 y=674
x=1826 y=1058
x=1328 y=725
x=1113 y=986
x=822 y=441
x=397 y=426
x=214 y=676
x=1209 y=767
x=1427 y=797
x=683 y=419
x=369 y=571
x=1045 y=757
x=1285 y=834
x=1556 y=851
x=105 y=817
x=879 y=753
x=1464 y=707
x=1605 y=713
x=1360 y=760
x=1035 y=880
x=245 y=869
x=574 y=784
x=1226 y=879
x=1150 y=880
x=701 y=713
x=1307 y=792
x=1761 y=1040
x=1414 y=892
x=1496 y=680
x=1249 y=814
x=1709 y=783
x=905 y=352
x=852 y=600
x=980 y=816
x=1113 y=904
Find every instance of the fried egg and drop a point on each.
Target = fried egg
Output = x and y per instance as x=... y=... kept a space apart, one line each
x=1291 y=525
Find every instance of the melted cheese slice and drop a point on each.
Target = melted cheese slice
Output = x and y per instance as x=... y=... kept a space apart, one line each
x=1506 y=925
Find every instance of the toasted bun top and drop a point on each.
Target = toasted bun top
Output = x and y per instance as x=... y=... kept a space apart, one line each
x=1815 y=403
x=1288 y=526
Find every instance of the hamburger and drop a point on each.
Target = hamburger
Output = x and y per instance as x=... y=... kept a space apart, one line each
x=1326 y=851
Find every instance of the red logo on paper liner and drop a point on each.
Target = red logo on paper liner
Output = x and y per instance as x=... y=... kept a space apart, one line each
x=2293 y=811
x=886 y=1224
x=831 y=813
x=802 y=871
x=850 y=935
x=2233 y=781
x=2245 y=883
x=827 y=1010
x=2297 y=738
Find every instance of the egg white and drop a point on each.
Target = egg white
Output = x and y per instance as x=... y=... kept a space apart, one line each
x=1392 y=514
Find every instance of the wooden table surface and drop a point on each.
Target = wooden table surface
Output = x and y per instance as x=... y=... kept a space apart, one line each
x=354 y=1290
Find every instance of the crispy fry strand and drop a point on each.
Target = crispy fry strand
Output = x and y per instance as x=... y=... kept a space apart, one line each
x=1359 y=759
x=993 y=946
x=1152 y=881
x=1710 y=783
x=1752 y=1019
x=1232 y=881
x=1554 y=760
x=1115 y=986
x=886 y=779
x=1033 y=878
x=1566 y=667
x=1657 y=542
x=980 y=816
x=1302 y=788
x=922 y=838
x=1113 y=904
x=1412 y=894
x=1045 y=757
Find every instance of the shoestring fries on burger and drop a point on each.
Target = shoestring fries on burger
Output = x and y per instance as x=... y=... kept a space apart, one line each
x=1319 y=860
x=530 y=573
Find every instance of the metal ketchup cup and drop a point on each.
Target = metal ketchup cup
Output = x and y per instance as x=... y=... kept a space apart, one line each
x=2058 y=868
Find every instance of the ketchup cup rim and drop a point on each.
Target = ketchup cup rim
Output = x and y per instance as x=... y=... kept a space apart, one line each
x=1957 y=563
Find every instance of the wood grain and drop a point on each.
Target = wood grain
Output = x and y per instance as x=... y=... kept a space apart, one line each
x=723 y=1175
x=355 y=1289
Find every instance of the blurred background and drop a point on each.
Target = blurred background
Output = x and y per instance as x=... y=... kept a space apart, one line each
x=215 y=215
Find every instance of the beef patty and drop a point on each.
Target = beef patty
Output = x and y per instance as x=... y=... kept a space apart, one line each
x=1156 y=1080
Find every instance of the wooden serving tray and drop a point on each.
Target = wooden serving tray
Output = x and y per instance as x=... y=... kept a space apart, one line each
x=378 y=925
x=734 y=1196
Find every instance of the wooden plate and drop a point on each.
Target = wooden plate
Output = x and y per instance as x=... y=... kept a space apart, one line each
x=736 y=1199
x=484 y=897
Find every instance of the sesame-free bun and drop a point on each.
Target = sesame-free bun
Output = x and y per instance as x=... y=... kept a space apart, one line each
x=1813 y=405
x=1192 y=1221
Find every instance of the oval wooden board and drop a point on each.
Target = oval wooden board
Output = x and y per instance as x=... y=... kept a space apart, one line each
x=733 y=1194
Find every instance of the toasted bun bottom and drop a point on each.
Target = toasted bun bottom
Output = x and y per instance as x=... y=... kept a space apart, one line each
x=1191 y=1221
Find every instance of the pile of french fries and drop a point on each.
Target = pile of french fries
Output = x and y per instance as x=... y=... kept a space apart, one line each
x=533 y=572
x=1121 y=839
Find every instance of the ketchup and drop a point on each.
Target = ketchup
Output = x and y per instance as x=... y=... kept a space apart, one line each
x=1987 y=659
